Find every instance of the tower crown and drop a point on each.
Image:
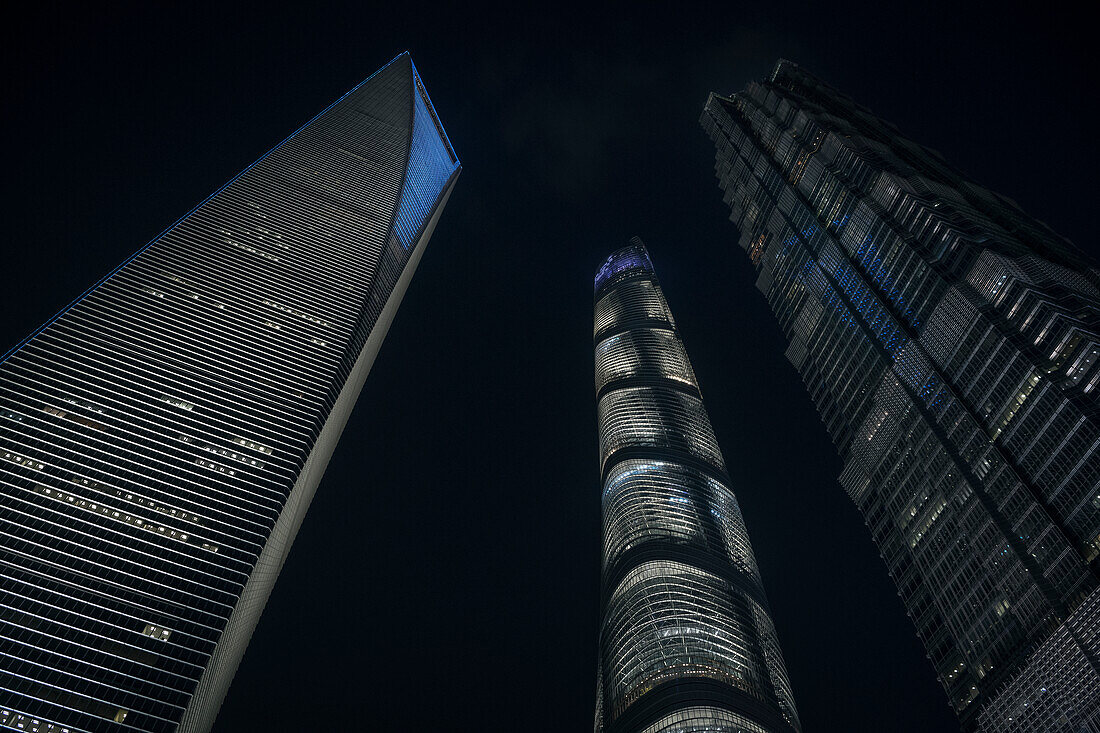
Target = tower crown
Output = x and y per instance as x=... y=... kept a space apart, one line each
x=622 y=264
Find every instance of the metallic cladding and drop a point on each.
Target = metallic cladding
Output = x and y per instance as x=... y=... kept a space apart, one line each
x=950 y=343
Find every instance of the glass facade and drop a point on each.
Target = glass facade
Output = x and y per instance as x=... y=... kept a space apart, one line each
x=950 y=344
x=161 y=438
x=687 y=642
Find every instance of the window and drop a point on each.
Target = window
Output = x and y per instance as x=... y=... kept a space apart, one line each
x=177 y=403
x=156 y=632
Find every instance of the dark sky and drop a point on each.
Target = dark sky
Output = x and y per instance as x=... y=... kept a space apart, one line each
x=446 y=577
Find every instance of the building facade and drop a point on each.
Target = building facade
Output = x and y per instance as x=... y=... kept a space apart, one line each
x=951 y=344
x=686 y=642
x=162 y=437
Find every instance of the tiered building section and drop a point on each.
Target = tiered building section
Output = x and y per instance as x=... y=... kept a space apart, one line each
x=687 y=642
x=951 y=345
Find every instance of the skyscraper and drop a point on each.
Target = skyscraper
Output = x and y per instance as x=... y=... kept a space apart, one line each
x=951 y=345
x=687 y=641
x=161 y=438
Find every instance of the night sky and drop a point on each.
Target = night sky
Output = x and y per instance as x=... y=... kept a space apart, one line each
x=446 y=576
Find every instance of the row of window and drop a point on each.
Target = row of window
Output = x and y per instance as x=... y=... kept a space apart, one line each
x=28 y=723
x=106 y=511
x=928 y=539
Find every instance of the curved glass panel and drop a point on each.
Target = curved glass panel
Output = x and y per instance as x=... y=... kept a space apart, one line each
x=649 y=500
x=632 y=300
x=647 y=353
x=431 y=163
x=705 y=720
x=668 y=620
x=773 y=660
x=653 y=417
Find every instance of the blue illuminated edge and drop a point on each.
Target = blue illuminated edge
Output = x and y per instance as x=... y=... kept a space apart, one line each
x=420 y=88
x=415 y=145
x=8 y=354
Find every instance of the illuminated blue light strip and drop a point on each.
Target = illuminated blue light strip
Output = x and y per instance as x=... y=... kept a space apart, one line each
x=873 y=267
x=435 y=117
x=431 y=164
x=914 y=369
x=860 y=299
x=628 y=258
x=7 y=355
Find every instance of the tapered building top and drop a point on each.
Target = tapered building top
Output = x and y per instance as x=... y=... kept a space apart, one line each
x=161 y=438
x=687 y=641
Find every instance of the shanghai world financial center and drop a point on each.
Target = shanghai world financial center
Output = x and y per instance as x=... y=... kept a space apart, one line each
x=162 y=437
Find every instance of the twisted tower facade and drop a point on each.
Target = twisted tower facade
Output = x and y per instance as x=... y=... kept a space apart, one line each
x=687 y=642
x=952 y=346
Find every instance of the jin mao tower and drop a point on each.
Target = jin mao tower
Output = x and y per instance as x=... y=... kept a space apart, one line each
x=950 y=342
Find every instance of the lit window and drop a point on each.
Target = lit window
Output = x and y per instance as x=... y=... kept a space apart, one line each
x=156 y=632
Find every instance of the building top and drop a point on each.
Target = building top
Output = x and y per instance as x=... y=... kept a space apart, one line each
x=623 y=263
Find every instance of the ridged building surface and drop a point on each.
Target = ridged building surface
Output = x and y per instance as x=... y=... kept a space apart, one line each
x=951 y=345
x=687 y=642
x=161 y=438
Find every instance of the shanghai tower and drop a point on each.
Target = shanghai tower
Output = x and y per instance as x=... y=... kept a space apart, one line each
x=162 y=437
x=686 y=641
x=950 y=343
